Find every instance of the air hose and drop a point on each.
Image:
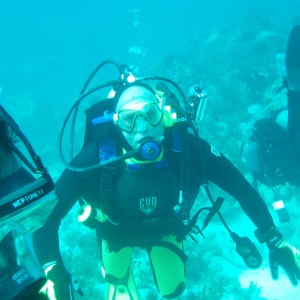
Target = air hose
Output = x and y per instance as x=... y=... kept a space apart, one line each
x=244 y=246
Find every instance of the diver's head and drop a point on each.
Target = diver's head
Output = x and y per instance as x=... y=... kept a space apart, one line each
x=139 y=115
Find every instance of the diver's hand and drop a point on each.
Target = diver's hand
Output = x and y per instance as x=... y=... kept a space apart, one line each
x=286 y=256
x=281 y=254
x=61 y=285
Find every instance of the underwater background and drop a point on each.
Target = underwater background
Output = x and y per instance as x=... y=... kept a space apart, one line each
x=234 y=49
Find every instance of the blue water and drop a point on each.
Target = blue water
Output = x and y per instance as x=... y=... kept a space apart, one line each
x=56 y=43
x=48 y=48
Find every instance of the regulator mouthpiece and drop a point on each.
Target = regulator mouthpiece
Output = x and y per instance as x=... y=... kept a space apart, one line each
x=150 y=150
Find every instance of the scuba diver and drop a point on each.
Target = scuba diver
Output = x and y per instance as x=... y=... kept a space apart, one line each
x=136 y=179
x=273 y=151
x=26 y=200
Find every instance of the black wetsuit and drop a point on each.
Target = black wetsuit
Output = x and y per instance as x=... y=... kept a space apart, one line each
x=294 y=122
x=279 y=150
x=145 y=195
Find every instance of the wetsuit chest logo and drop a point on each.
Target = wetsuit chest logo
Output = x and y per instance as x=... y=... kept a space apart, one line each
x=148 y=204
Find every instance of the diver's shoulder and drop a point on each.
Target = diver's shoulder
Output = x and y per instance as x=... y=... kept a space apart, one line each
x=88 y=155
x=203 y=148
x=198 y=141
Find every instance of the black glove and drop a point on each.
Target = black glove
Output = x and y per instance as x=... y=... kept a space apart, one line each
x=60 y=283
x=282 y=254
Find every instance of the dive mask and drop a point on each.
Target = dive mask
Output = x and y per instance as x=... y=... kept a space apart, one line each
x=130 y=117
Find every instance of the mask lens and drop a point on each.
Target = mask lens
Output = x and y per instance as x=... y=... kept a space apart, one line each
x=126 y=119
x=150 y=112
